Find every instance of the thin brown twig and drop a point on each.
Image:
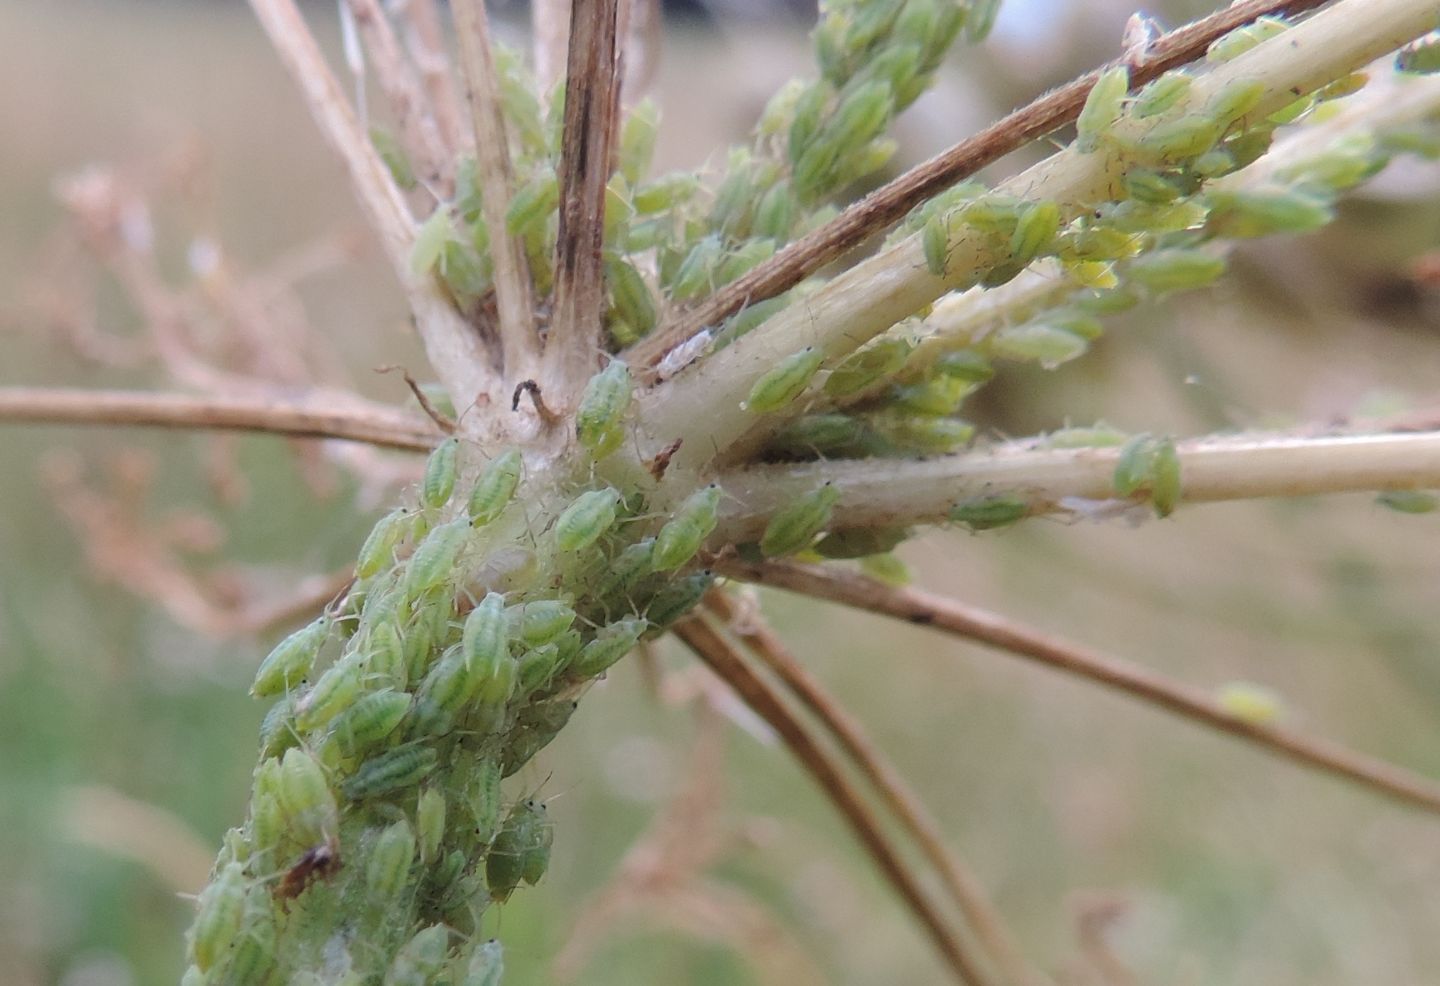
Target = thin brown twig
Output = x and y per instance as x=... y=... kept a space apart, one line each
x=722 y=657
x=300 y=419
x=442 y=420
x=592 y=82
x=889 y=203
x=962 y=884
x=400 y=82
x=972 y=623
x=518 y=339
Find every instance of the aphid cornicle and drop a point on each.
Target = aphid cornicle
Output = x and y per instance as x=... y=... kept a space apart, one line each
x=495 y=488
x=784 y=381
x=1102 y=107
x=795 y=525
x=600 y=418
x=291 y=660
x=393 y=770
x=218 y=916
x=583 y=522
x=388 y=869
x=440 y=469
x=681 y=537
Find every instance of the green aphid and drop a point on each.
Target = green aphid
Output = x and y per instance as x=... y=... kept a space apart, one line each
x=278 y=731
x=391 y=771
x=1133 y=466
x=387 y=872
x=1165 y=478
x=535 y=727
x=533 y=203
x=493 y=692
x=627 y=568
x=1409 y=501
x=1161 y=95
x=986 y=513
x=923 y=433
x=218 y=916
x=439 y=481
x=444 y=692
x=1035 y=231
x=696 y=273
x=637 y=140
x=1175 y=141
x=612 y=642
x=1145 y=221
x=860 y=542
x=291 y=660
x=583 y=522
x=1344 y=164
x=420 y=646
x=385 y=652
x=1242 y=39
x=866 y=366
x=540 y=620
x=981 y=19
x=1246 y=214
x=305 y=796
x=333 y=693
x=495 y=487
x=378 y=551
x=1213 y=163
x=887 y=568
x=1175 y=269
x=935 y=244
x=370 y=720
x=784 y=381
x=994 y=212
x=1249 y=146
x=1079 y=323
x=1150 y=187
x=600 y=419
x=1091 y=242
x=1037 y=342
x=430 y=240
x=966 y=365
x=251 y=960
x=821 y=434
x=1102 y=108
x=521 y=850
x=419 y=961
x=665 y=192
x=1094 y=436
x=484 y=640
x=486 y=966
x=939 y=395
x=430 y=823
x=775 y=213
x=731 y=210
x=1421 y=58
x=1235 y=99
x=1110 y=302
x=435 y=559
x=482 y=799
x=675 y=600
x=795 y=525
x=750 y=254
x=681 y=537
x=863 y=113
x=464 y=272
x=536 y=667
x=630 y=297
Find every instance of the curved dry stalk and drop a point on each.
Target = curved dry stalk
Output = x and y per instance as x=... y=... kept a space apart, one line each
x=1079 y=482
x=297 y=419
x=729 y=664
x=981 y=626
x=964 y=887
x=889 y=203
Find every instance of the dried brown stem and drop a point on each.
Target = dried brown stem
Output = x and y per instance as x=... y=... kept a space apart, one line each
x=400 y=82
x=303 y=419
x=592 y=92
x=728 y=663
x=971 y=623
x=518 y=340
x=425 y=40
x=888 y=204
x=963 y=886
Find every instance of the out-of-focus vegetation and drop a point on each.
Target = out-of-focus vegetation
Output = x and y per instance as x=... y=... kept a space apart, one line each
x=127 y=741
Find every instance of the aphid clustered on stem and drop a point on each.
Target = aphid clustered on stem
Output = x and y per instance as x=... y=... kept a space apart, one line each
x=378 y=835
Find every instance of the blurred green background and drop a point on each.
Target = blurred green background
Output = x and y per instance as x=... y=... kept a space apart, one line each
x=126 y=740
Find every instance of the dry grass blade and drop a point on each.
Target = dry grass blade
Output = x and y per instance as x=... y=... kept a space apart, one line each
x=962 y=884
x=592 y=105
x=971 y=623
x=888 y=204
x=729 y=664
x=297 y=419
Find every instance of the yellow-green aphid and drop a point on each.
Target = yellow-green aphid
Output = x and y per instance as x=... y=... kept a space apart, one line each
x=388 y=870
x=1160 y=95
x=1150 y=187
x=866 y=365
x=495 y=487
x=938 y=395
x=540 y=620
x=305 y=796
x=627 y=568
x=430 y=823
x=775 y=215
x=1102 y=108
x=1034 y=231
x=1165 y=478
x=277 y=729
x=334 y=692
x=1175 y=141
x=612 y=642
x=1099 y=435
x=583 y=522
x=536 y=667
x=442 y=695
x=887 y=568
x=385 y=652
x=966 y=365
x=630 y=298
x=393 y=770
x=434 y=560
x=795 y=525
x=1176 y=269
x=430 y=240
x=1132 y=467
x=637 y=140
x=696 y=272
x=1250 y=703
x=1261 y=212
x=291 y=660
x=600 y=419
x=1037 y=342
x=784 y=381
x=923 y=433
x=218 y=916
x=986 y=513
x=684 y=533
x=482 y=797
x=370 y=720
x=1235 y=99
x=440 y=470
x=521 y=850
x=251 y=960
x=1408 y=501
x=533 y=203
x=1242 y=39
x=860 y=542
x=535 y=726
x=981 y=19
x=935 y=243
x=484 y=639
x=487 y=965
x=1423 y=57
x=378 y=551
x=420 y=960
x=675 y=600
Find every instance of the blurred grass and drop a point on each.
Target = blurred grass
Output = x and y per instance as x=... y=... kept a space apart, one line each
x=1236 y=868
